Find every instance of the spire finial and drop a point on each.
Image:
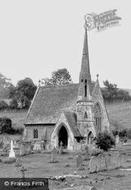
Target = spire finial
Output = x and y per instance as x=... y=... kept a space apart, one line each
x=85 y=24
x=39 y=82
x=97 y=76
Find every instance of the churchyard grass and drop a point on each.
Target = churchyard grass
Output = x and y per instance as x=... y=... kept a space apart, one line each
x=38 y=165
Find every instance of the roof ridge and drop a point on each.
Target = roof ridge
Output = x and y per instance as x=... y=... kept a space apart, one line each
x=58 y=86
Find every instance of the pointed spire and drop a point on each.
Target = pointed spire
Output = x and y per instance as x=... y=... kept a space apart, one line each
x=85 y=67
x=97 y=82
x=97 y=89
x=84 y=91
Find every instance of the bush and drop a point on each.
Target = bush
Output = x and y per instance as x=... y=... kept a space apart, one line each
x=115 y=132
x=129 y=133
x=123 y=133
x=5 y=125
x=18 y=131
x=105 y=141
x=13 y=104
x=3 y=105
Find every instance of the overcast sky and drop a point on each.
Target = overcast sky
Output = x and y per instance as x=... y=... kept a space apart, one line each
x=41 y=36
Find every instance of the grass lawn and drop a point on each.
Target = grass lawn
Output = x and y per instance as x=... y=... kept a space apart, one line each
x=38 y=165
x=120 y=114
x=17 y=117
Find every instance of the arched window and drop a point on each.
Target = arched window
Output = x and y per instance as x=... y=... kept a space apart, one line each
x=85 y=90
x=97 y=114
x=85 y=87
x=85 y=115
x=35 y=133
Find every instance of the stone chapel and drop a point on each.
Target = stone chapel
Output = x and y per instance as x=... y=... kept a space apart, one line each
x=70 y=113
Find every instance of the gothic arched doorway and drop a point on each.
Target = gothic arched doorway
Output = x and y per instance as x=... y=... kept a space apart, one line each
x=63 y=137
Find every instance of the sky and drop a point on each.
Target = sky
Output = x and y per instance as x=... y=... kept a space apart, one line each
x=38 y=37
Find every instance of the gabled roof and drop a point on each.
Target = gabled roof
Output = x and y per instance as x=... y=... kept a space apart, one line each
x=72 y=121
x=50 y=102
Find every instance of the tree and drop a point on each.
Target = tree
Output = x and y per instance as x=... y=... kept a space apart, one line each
x=111 y=92
x=26 y=87
x=123 y=134
x=23 y=93
x=3 y=105
x=59 y=77
x=6 y=127
x=123 y=95
x=14 y=103
x=5 y=84
x=105 y=141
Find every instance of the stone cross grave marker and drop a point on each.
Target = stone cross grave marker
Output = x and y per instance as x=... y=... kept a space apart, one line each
x=23 y=170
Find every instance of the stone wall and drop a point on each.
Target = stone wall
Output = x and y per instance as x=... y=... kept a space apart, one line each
x=106 y=161
x=25 y=148
x=41 y=132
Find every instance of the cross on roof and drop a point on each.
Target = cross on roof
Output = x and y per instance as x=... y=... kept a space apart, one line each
x=23 y=170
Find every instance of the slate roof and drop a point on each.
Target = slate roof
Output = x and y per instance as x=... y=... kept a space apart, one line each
x=72 y=121
x=50 y=102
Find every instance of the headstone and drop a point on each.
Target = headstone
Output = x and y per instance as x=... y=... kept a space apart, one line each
x=87 y=156
x=53 y=155
x=23 y=170
x=25 y=148
x=18 y=162
x=11 y=152
x=61 y=148
x=117 y=139
x=22 y=149
x=79 y=161
x=37 y=146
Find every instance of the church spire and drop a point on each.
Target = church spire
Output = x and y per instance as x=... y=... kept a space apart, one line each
x=84 y=91
x=85 y=67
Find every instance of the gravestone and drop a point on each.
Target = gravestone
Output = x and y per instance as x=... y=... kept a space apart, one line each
x=37 y=146
x=25 y=148
x=87 y=156
x=117 y=140
x=11 y=152
x=18 y=162
x=53 y=155
x=23 y=170
x=61 y=148
x=79 y=161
